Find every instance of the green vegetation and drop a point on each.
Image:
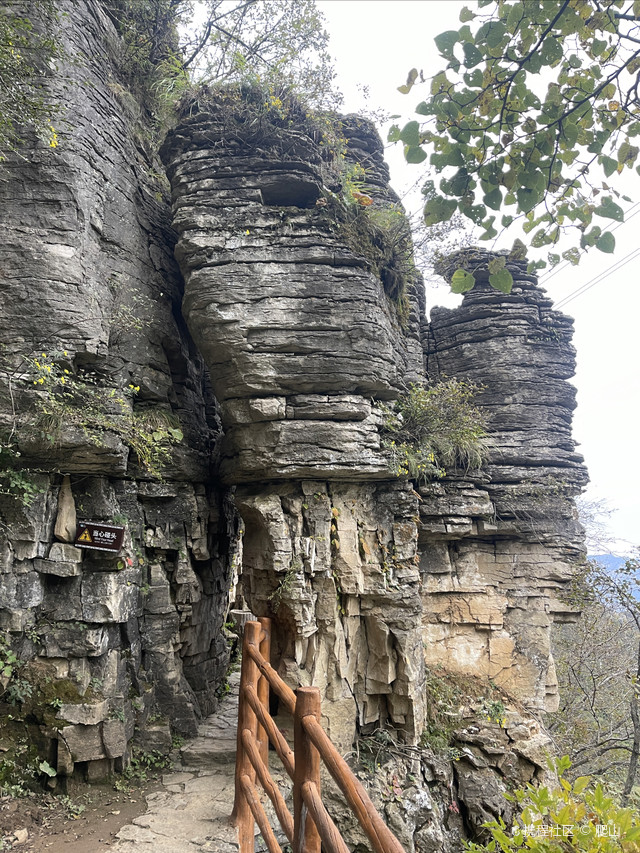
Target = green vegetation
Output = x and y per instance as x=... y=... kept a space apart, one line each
x=535 y=110
x=598 y=668
x=167 y=54
x=430 y=429
x=143 y=767
x=285 y=586
x=26 y=49
x=383 y=237
x=567 y=817
x=167 y=50
x=67 y=398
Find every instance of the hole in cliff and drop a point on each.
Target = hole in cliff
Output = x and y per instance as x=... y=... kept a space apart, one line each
x=288 y=192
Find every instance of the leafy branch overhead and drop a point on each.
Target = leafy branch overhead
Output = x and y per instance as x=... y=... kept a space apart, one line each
x=536 y=109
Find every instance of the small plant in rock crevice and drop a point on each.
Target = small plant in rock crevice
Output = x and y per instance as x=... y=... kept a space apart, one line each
x=70 y=398
x=284 y=586
x=432 y=428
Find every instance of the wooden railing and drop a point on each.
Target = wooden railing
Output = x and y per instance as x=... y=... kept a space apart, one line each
x=310 y=827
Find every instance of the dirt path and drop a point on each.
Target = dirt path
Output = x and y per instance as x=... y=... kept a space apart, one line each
x=186 y=811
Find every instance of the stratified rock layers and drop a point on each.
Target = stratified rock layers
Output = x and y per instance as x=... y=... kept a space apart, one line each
x=497 y=550
x=89 y=283
x=301 y=311
x=300 y=339
x=297 y=330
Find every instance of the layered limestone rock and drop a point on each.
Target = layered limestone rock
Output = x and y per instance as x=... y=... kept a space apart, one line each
x=336 y=565
x=499 y=548
x=284 y=301
x=300 y=331
x=91 y=305
x=301 y=310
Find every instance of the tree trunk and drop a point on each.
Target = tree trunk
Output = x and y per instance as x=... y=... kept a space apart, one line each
x=635 y=750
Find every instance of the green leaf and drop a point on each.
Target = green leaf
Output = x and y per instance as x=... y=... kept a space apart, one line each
x=466 y=15
x=474 y=78
x=493 y=199
x=572 y=255
x=423 y=109
x=439 y=209
x=590 y=237
x=609 y=165
x=412 y=76
x=608 y=209
x=462 y=281
x=472 y=55
x=627 y=154
x=445 y=42
x=496 y=33
x=490 y=232
x=414 y=154
x=45 y=767
x=394 y=133
x=606 y=242
x=410 y=133
x=580 y=784
x=551 y=51
x=527 y=199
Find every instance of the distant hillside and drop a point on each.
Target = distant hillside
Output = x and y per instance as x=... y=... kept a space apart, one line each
x=609 y=561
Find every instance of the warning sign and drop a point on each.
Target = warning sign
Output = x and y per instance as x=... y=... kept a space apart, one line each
x=99 y=537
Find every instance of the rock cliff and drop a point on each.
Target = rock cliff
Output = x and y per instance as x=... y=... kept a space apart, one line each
x=244 y=341
x=91 y=295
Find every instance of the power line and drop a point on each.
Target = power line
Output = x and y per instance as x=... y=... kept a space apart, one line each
x=598 y=278
x=545 y=278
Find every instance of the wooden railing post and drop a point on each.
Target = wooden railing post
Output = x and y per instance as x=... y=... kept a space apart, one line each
x=263 y=686
x=306 y=838
x=242 y=816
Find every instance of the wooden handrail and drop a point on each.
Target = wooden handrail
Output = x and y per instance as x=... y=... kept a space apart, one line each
x=275 y=735
x=270 y=788
x=253 y=800
x=283 y=691
x=310 y=828
x=331 y=838
x=378 y=833
x=306 y=837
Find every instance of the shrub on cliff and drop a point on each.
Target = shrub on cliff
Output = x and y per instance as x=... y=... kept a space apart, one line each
x=568 y=817
x=430 y=429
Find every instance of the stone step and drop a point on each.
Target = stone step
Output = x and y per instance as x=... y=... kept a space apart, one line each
x=203 y=752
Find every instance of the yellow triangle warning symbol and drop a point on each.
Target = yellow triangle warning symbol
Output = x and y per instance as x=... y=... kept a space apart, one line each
x=84 y=537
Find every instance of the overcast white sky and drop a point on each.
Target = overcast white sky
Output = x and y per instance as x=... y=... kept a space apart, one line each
x=375 y=43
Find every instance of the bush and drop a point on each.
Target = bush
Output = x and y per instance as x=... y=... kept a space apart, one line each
x=430 y=429
x=578 y=816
